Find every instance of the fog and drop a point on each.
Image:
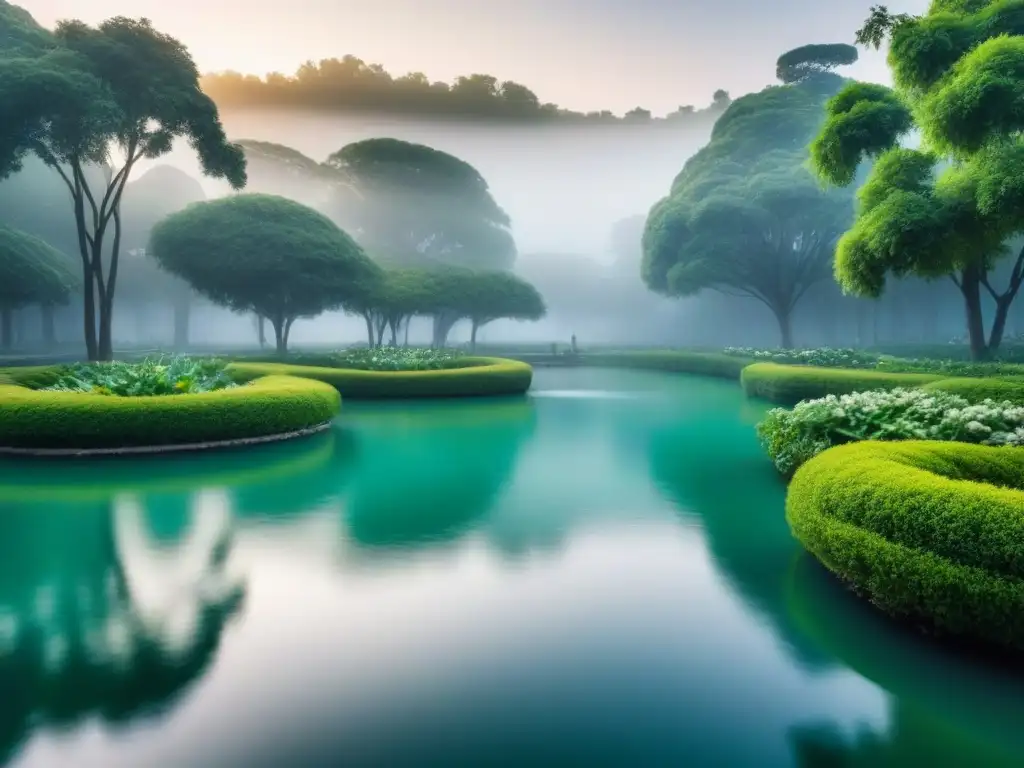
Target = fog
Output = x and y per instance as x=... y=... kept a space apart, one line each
x=565 y=188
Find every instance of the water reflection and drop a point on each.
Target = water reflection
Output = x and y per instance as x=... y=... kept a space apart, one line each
x=115 y=586
x=427 y=473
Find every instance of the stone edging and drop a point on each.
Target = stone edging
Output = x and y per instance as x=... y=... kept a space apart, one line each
x=157 y=449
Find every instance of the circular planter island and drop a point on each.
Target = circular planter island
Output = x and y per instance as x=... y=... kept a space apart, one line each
x=39 y=422
x=932 y=532
x=472 y=377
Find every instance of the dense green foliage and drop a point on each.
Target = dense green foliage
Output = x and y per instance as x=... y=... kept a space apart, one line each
x=928 y=531
x=120 y=89
x=745 y=217
x=264 y=254
x=950 y=207
x=31 y=272
x=792 y=437
x=350 y=84
x=476 y=376
x=155 y=376
x=810 y=62
x=789 y=384
x=271 y=405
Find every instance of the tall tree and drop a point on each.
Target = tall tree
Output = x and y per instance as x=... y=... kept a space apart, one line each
x=949 y=208
x=264 y=254
x=810 y=62
x=31 y=272
x=107 y=96
x=490 y=296
x=744 y=217
x=413 y=206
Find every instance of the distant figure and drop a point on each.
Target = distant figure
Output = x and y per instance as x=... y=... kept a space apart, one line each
x=572 y=342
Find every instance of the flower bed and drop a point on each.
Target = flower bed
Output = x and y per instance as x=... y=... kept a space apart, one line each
x=928 y=531
x=792 y=437
x=376 y=359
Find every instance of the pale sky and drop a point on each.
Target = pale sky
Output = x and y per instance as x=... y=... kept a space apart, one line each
x=580 y=54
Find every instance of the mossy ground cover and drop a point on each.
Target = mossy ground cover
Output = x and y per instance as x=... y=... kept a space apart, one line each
x=928 y=531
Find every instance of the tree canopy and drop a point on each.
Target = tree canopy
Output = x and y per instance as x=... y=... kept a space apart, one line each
x=351 y=84
x=810 y=61
x=744 y=217
x=411 y=205
x=105 y=96
x=264 y=254
x=31 y=272
x=950 y=207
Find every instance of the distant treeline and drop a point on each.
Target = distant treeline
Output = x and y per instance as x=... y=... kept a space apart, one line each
x=350 y=84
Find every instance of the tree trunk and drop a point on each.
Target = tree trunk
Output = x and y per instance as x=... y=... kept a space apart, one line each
x=182 y=315
x=784 y=317
x=49 y=326
x=970 y=287
x=6 y=328
x=408 y=320
x=280 y=337
x=393 y=324
x=472 y=337
x=287 y=332
x=261 y=330
x=369 y=329
x=381 y=326
x=442 y=327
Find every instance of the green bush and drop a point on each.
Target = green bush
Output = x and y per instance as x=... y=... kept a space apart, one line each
x=824 y=357
x=976 y=390
x=153 y=376
x=792 y=437
x=376 y=359
x=949 y=368
x=715 y=364
x=74 y=420
x=931 y=532
x=478 y=376
x=789 y=384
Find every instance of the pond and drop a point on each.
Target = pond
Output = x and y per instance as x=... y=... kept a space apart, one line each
x=599 y=574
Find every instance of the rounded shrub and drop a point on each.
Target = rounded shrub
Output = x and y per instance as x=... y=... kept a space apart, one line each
x=999 y=388
x=49 y=420
x=932 y=532
x=789 y=384
x=477 y=377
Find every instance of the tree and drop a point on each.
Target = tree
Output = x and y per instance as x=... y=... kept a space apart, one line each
x=490 y=296
x=414 y=206
x=392 y=302
x=31 y=272
x=949 y=208
x=411 y=206
x=120 y=88
x=351 y=84
x=812 y=61
x=264 y=254
x=744 y=217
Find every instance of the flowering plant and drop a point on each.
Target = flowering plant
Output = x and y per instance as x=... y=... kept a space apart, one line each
x=791 y=437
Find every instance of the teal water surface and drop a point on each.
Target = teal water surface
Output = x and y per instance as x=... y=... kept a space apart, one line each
x=598 y=574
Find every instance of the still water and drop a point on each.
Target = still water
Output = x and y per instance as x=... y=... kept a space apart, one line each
x=599 y=574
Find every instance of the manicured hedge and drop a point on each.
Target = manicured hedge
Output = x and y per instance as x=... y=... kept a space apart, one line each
x=928 y=531
x=480 y=376
x=65 y=420
x=999 y=389
x=701 y=363
x=789 y=384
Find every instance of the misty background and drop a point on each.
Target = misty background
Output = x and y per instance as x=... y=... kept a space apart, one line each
x=577 y=195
